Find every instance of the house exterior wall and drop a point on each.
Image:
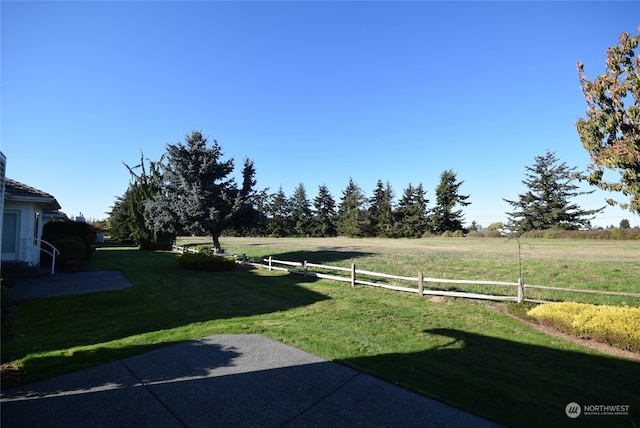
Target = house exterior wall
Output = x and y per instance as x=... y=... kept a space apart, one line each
x=29 y=227
x=3 y=167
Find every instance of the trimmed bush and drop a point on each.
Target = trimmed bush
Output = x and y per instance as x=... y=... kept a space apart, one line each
x=58 y=230
x=206 y=263
x=72 y=254
x=618 y=326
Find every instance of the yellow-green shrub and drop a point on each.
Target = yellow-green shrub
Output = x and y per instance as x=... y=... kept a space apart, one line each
x=616 y=325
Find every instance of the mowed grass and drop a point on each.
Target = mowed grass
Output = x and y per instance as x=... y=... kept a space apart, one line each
x=463 y=352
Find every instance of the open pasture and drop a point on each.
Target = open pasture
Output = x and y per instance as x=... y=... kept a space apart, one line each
x=612 y=266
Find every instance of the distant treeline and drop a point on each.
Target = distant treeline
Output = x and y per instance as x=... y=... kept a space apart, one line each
x=613 y=233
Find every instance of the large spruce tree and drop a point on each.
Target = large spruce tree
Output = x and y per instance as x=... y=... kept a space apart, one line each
x=547 y=202
x=197 y=192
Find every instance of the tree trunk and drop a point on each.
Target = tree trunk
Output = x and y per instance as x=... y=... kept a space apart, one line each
x=216 y=242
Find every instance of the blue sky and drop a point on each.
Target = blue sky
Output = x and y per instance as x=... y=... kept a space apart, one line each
x=314 y=92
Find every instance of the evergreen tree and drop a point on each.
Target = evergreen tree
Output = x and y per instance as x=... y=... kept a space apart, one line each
x=197 y=193
x=279 y=213
x=128 y=216
x=323 y=224
x=411 y=219
x=547 y=203
x=352 y=216
x=247 y=216
x=444 y=218
x=300 y=211
x=381 y=211
x=118 y=221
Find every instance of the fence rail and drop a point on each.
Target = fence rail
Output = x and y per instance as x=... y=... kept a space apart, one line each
x=420 y=280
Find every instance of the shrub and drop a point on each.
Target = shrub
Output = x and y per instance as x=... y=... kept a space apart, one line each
x=72 y=254
x=618 y=326
x=206 y=263
x=58 y=230
x=6 y=310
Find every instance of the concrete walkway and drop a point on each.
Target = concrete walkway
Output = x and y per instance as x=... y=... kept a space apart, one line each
x=224 y=381
x=66 y=284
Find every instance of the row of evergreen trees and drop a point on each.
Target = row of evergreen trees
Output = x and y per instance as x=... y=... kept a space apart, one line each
x=190 y=191
x=356 y=215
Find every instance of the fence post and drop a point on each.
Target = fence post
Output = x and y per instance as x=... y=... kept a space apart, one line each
x=269 y=263
x=353 y=274
x=520 y=290
x=306 y=269
x=420 y=283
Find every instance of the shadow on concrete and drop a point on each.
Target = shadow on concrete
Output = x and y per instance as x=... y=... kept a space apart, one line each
x=469 y=368
x=224 y=380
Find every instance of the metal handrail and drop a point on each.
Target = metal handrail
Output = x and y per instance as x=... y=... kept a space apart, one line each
x=52 y=253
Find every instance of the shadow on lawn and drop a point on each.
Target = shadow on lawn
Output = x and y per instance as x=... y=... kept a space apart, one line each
x=319 y=256
x=163 y=297
x=470 y=372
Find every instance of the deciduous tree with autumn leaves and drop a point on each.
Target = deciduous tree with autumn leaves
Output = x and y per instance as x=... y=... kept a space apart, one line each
x=611 y=130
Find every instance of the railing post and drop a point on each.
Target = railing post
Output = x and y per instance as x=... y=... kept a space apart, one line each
x=420 y=284
x=520 y=290
x=353 y=274
x=269 y=263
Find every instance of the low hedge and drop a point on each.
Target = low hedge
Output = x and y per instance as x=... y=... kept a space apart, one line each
x=72 y=254
x=206 y=263
x=618 y=326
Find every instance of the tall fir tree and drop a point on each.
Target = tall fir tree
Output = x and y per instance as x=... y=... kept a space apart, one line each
x=300 y=211
x=444 y=216
x=411 y=219
x=381 y=211
x=547 y=202
x=352 y=214
x=323 y=222
x=279 y=212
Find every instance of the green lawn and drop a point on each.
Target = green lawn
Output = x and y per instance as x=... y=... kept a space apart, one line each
x=463 y=352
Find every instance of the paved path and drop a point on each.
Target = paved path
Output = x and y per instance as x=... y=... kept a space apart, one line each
x=224 y=381
x=66 y=284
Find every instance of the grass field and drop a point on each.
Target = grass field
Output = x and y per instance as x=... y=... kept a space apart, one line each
x=578 y=264
x=465 y=353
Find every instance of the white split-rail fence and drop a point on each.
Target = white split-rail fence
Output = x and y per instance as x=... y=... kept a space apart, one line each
x=520 y=286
